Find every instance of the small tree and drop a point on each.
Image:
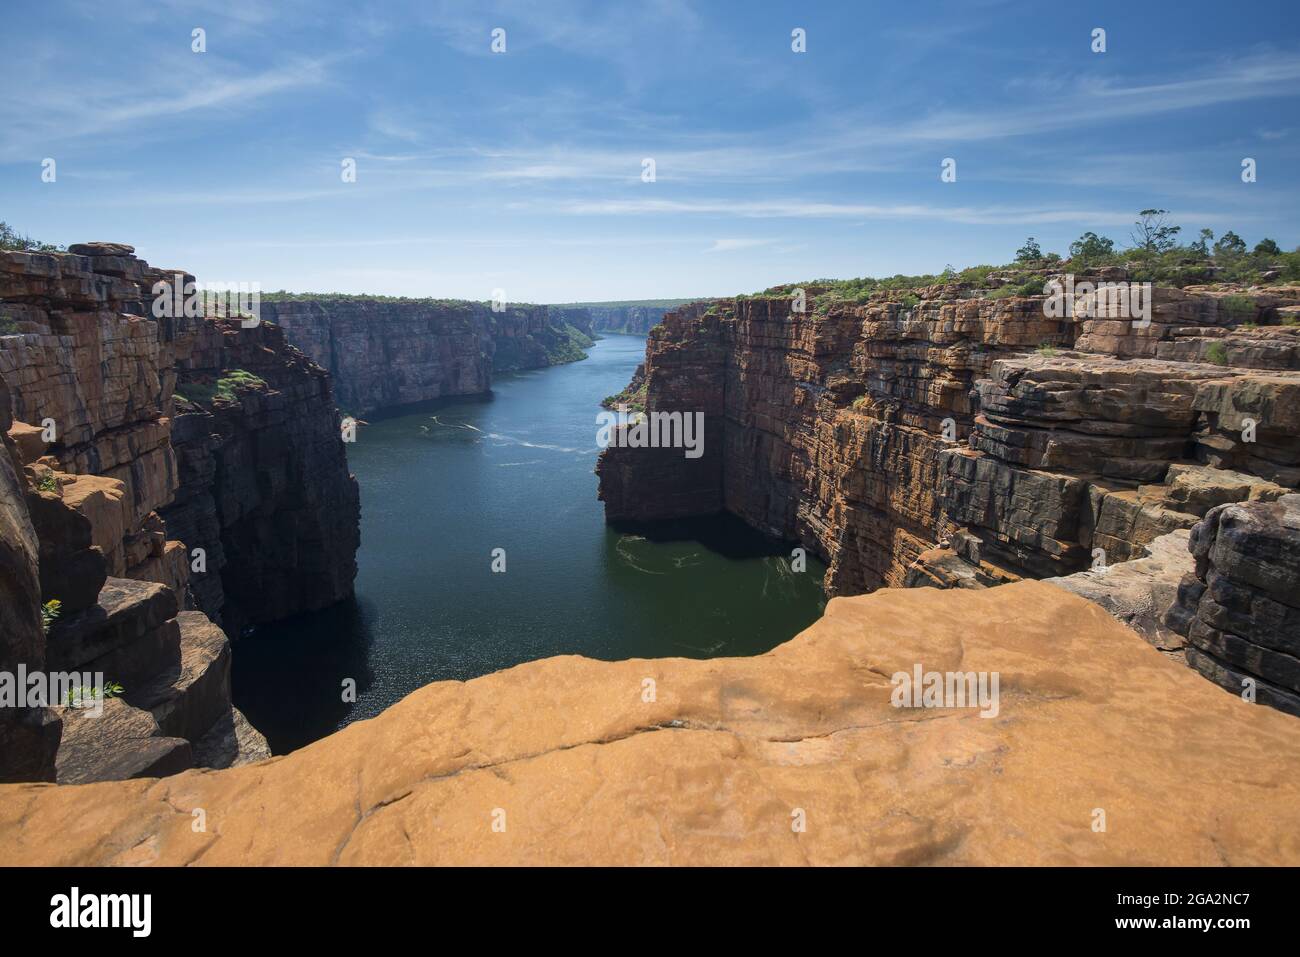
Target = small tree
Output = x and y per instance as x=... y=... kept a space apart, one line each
x=1229 y=245
x=11 y=239
x=1091 y=246
x=1153 y=233
x=1202 y=245
x=1029 y=252
x=1268 y=248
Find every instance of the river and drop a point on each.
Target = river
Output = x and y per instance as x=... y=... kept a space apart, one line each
x=444 y=484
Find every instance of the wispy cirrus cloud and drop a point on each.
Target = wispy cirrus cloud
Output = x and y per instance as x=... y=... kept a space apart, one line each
x=59 y=112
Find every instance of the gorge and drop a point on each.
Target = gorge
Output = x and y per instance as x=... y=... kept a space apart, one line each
x=446 y=483
x=937 y=450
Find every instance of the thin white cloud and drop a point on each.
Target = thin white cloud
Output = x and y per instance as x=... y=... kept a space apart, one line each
x=799 y=209
x=1091 y=102
x=55 y=114
x=729 y=245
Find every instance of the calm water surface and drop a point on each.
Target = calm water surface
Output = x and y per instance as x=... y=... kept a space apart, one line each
x=446 y=482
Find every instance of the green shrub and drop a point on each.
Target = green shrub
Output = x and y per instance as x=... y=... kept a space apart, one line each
x=1046 y=349
x=1241 y=309
x=226 y=387
x=47 y=482
x=1217 y=353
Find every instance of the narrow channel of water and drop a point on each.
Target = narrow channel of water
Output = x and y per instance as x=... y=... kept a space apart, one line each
x=446 y=482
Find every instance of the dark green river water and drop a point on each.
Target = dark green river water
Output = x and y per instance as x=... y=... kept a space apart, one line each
x=446 y=482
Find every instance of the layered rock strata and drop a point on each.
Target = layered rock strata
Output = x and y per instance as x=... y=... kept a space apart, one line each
x=963 y=439
x=732 y=751
x=109 y=637
x=876 y=432
x=383 y=353
x=261 y=483
x=1239 y=608
x=131 y=504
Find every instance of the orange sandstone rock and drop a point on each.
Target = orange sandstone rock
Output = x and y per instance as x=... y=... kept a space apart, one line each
x=580 y=768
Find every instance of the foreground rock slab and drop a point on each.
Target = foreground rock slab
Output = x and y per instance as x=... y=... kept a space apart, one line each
x=568 y=755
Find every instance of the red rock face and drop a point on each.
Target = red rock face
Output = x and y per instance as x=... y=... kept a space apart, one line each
x=382 y=354
x=829 y=428
x=257 y=478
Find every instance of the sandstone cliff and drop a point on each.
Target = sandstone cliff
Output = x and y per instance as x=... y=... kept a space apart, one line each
x=1103 y=751
x=1239 y=608
x=160 y=676
x=246 y=464
x=383 y=352
x=965 y=439
x=231 y=496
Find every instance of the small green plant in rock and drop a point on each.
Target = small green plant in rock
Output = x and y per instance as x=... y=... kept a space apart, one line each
x=50 y=612
x=1217 y=353
x=1046 y=349
x=236 y=379
x=47 y=482
x=85 y=695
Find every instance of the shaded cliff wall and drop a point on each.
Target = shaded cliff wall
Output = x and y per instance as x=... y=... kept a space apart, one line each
x=264 y=485
x=829 y=428
x=275 y=498
x=29 y=736
x=384 y=353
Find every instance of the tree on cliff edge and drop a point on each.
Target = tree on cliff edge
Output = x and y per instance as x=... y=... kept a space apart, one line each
x=11 y=239
x=1153 y=233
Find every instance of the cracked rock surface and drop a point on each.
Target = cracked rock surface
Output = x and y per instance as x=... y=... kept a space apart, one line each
x=582 y=770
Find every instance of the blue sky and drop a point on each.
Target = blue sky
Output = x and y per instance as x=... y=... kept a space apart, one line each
x=522 y=170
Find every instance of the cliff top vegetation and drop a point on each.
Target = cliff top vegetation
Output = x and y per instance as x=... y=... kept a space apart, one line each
x=1153 y=254
x=14 y=241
